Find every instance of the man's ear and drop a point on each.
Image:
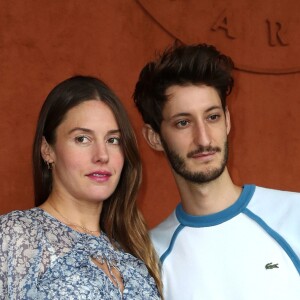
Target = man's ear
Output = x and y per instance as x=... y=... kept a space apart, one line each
x=46 y=151
x=152 y=138
x=227 y=120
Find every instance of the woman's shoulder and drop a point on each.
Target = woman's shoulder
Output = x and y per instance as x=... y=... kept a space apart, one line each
x=19 y=222
x=20 y=216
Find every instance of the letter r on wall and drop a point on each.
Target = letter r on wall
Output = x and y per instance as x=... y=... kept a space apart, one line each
x=276 y=34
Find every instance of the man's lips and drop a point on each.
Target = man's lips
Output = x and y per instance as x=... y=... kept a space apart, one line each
x=203 y=152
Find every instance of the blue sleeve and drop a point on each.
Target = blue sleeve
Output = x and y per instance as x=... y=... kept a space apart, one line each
x=19 y=255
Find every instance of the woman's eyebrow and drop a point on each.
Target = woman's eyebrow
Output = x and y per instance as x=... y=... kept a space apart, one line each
x=80 y=129
x=87 y=130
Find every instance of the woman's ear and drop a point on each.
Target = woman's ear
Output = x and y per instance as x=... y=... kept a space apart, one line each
x=152 y=138
x=47 y=152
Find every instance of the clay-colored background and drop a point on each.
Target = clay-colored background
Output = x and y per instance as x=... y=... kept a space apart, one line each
x=44 y=42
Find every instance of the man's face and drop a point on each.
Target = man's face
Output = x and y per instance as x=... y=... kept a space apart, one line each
x=194 y=132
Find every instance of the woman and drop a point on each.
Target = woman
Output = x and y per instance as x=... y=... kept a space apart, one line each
x=85 y=239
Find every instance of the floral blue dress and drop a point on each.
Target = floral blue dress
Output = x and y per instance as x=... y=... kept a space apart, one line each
x=41 y=258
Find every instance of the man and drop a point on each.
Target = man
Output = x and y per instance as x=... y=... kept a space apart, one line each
x=222 y=241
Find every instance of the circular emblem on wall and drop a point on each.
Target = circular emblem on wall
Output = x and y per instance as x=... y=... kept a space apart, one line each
x=261 y=36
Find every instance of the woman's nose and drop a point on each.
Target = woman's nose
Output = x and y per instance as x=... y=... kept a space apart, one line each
x=100 y=153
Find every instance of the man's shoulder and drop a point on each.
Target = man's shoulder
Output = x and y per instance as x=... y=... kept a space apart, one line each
x=275 y=204
x=280 y=197
x=162 y=234
x=277 y=192
x=280 y=211
x=168 y=224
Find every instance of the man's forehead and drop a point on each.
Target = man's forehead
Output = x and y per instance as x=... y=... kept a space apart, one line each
x=182 y=99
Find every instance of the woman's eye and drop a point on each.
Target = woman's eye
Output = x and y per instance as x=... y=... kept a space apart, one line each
x=114 y=140
x=82 y=139
x=182 y=123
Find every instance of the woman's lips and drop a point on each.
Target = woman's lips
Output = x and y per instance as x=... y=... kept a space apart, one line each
x=99 y=176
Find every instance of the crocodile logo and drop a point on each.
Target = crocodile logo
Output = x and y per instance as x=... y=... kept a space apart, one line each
x=271 y=266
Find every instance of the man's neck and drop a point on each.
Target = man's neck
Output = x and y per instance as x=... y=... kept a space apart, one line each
x=208 y=198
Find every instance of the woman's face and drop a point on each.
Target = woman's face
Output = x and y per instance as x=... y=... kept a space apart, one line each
x=87 y=156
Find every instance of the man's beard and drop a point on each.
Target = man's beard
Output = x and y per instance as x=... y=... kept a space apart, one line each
x=179 y=165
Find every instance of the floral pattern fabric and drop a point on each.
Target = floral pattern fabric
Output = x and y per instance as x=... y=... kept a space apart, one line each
x=41 y=258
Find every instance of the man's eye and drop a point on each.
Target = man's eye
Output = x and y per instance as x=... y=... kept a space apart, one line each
x=214 y=117
x=182 y=123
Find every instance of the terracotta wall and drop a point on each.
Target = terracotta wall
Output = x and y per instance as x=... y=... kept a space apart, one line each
x=43 y=42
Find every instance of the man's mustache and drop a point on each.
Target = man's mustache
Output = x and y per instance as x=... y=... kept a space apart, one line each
x=202 y=149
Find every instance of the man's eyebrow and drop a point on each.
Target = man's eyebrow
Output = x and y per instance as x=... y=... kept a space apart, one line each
x=214 y=107
x=186 y=114
x=182 y=114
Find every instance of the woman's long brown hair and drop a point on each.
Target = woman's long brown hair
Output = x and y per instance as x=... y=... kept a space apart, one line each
x=120 y=218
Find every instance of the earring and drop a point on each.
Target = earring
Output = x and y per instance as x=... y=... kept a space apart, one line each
x=49 y=165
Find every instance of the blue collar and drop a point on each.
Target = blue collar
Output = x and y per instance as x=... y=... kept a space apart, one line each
x=219 y=217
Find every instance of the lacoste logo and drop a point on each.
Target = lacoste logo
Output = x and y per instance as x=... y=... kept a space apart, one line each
x=271 y=266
